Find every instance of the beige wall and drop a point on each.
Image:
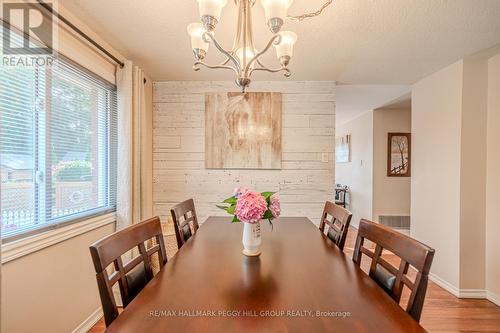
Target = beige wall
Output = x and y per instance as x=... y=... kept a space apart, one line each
x=493 y=180
x=52 y=290
x=305 y=181
x=473 y=174
x=449 y=121
x=435 y=181
x=391 y=195
x=358 y=174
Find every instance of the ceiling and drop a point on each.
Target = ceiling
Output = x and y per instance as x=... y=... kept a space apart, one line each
x=388 y=42
x=353 y=100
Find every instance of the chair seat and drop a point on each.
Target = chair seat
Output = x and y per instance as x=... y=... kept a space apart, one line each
x=384 y=278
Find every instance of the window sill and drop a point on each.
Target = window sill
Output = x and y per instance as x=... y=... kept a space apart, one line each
x=22 y=247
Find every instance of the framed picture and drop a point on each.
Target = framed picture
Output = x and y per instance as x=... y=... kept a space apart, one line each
x=343 y=149
x=243 y=130
x=399 y=155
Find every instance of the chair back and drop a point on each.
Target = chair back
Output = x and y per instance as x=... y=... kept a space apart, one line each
x=391 y=278
x=185 y=221
x=135 y=273
x=338 y=219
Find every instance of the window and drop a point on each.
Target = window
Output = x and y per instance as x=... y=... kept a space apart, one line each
x=57 y=146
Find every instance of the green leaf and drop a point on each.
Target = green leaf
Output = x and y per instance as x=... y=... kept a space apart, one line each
x=235 y=219
x=223 y=207
x=267 y=195
x=231 y=209
x=268 y=215
x=230 y=200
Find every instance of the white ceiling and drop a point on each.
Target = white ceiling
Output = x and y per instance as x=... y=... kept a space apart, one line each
x=354 y=42
x=353 y=100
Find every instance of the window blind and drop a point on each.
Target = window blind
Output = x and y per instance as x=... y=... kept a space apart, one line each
x=57 y=145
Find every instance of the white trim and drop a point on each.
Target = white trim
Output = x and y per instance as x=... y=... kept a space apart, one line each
x=88 y=323
x=492 y=297
x=472 y=293
x=444 y=284
x=25 y=246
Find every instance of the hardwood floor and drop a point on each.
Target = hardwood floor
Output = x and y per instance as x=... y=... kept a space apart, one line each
x=442 y=312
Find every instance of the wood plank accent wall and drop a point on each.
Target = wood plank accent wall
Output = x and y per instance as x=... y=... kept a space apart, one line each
x=308 y=139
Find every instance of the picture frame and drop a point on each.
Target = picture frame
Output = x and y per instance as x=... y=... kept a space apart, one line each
x=399 y=155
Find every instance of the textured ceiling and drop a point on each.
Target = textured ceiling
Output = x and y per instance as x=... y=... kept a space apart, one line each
x=353 y=42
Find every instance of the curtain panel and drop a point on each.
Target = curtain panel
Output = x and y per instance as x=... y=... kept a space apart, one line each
x=135 y=141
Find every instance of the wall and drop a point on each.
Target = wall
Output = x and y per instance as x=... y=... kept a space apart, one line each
x=473 y=174
x=493 y=182
x=358 y=173
x=391 y=195
x=449 y=121
x=52 y=290
x=305 y=181
x=435 y=181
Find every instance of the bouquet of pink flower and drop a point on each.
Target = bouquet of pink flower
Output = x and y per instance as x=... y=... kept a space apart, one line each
x=251 y=207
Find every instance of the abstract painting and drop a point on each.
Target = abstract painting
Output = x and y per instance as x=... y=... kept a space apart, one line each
x=399 y=155
x=243 y=130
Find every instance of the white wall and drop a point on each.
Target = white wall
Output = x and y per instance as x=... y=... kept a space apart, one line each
x=305 y=181
x=391 y=195
x=493 y=181
x=52 y=290
x=358 y=174
x=435 y=181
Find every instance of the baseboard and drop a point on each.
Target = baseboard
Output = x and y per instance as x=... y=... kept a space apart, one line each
x=88 y=323
x=444 y=284
x=494 y=298
x=472 y=293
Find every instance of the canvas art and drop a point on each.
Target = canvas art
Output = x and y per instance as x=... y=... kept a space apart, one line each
x=399 y=155
x=243 y=130
x=343 y=149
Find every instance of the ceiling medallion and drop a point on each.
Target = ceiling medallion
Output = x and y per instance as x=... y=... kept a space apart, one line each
x=243 y=57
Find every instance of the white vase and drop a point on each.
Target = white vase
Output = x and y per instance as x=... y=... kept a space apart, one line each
x=251 y=239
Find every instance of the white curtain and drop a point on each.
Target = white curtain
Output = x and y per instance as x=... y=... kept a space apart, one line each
x=135 y=160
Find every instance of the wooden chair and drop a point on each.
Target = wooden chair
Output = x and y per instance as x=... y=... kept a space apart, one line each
x=133 y=275
x=185 y=221
x=337 y=218
x=392 y=279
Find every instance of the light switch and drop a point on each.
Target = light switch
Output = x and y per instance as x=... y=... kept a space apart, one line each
x=324 y=157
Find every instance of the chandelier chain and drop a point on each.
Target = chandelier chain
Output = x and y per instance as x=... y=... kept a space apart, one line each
x=312 y=14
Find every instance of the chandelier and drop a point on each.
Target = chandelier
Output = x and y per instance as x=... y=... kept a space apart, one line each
x=243 y=58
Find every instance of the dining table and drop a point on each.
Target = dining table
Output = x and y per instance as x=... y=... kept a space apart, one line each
x=301 y=282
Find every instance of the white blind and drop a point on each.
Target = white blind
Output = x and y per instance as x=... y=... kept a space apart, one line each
x=57 y=145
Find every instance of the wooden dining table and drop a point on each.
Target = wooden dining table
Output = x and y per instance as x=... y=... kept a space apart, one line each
x=300 y=283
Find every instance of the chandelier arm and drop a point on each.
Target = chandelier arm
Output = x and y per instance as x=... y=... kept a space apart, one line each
x=276 y=39
x=312 y=14
x=196 y=68
x=286 y=71
x=226 y=53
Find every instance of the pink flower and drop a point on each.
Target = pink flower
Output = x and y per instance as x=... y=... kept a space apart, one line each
x=240 y=190
x=274 y=206
x=250 y=207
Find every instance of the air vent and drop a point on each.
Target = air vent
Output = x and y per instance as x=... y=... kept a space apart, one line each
x=392 y=221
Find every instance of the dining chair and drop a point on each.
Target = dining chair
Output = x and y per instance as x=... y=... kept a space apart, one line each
x=185 y=221
x=391 y=278
x=135 y=273
x=338 y=219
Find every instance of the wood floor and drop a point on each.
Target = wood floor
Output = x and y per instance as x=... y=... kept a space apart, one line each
x=442 y=312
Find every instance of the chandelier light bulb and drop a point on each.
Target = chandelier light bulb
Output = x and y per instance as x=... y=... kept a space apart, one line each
x=199 y=46
x=210 y=12
x=284 y=50
x=249 y=54
x=276 y=12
